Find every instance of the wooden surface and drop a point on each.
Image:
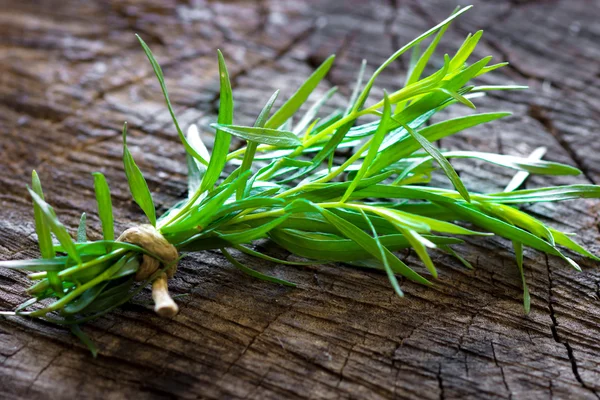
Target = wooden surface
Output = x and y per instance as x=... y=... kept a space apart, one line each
x=71 y=72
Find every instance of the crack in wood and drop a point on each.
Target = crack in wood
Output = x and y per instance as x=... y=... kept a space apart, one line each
x=558 y=339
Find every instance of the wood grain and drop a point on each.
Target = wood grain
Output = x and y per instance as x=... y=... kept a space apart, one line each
x=71 y=72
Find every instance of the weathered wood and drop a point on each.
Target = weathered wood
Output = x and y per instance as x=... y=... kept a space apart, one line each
x=71 y=72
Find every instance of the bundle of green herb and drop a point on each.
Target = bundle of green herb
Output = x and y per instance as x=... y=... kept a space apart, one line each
x=359 y=211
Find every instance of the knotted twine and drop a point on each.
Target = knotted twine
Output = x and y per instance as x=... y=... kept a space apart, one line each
x=147 y=237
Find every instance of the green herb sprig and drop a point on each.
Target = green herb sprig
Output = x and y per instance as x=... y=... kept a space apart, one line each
x=289 y=188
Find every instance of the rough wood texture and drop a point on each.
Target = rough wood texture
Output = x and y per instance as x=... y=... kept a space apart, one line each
x=71 y=72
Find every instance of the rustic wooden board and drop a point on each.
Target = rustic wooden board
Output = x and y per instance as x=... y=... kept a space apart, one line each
x=71 y=72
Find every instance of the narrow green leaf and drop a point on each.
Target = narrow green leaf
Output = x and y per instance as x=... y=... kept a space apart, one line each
x=56 y=227
x=196 y=170
x=198 y=218
x=258 y=254
x=373 y=147
x=222 y=138
x=137 y=184
x=268 y=136
x=421 y=63
x=368 y=243
x=562 y=239
x=42 y=264
x=555 y=193
x=491 y=68
x=79 y=304
x=408 y=144
x=505 y=230
x=42 y=229
x=85 y=339
x=518 y=218
x=253 y=273
x=302 y=239
x=104 y=206
x=81 y=230
x=460 y=258
x=521 y=176
x=357 y=85
x=311 y=113
x=528 y=165
x=290 y=107
x=489 y=88
x=458 y=97
x=365 y=93
x=383 y=257
x=465 y=50
x=444 y=163
x=251 y=146
x=518 y=246
x=102 y=276
x=161 y=80
x=248 y=235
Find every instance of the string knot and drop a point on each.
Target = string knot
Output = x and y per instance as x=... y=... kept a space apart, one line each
x=150 y=239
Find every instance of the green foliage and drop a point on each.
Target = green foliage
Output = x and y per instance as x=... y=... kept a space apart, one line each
x=359 y=209
x=137 y=183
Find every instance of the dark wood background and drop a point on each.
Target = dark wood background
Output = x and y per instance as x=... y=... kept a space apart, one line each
x=71 y=72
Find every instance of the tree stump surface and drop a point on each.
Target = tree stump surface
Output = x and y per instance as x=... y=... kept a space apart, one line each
x=71 y=72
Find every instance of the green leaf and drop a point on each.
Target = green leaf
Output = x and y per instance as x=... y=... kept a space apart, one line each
x=408 y=144
x=518 y=246
x=253 y=273
x=104 y=206
x=75 y=293
x=373 y=148
x=365 y=93
x=460 y=258
x=528 y=165
x=196 y=170
x=251 y=146
x=268 y=136
x=79 y=304
x=458 y=97
x=254 y=253
x=137 y=183
x=41 y=228
x=81 y=230
x=518 y=218
x=322 y=245
x=357 y=86
x=556 y=193
x=383 y=257
x=161 y=80
x=368 y=243
x=505 y=230
x=521 y=176
x=198 y=218
x=325 y=152
x=311 y=113
x=222 y=138
x=85 y=339
x=419 y=66
x=465 y=50
x=248 y=235
x=42 y=264
x=563 y=240
x=491 y=68
x=290 y=107
x=444 y=163
x=56 y=227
